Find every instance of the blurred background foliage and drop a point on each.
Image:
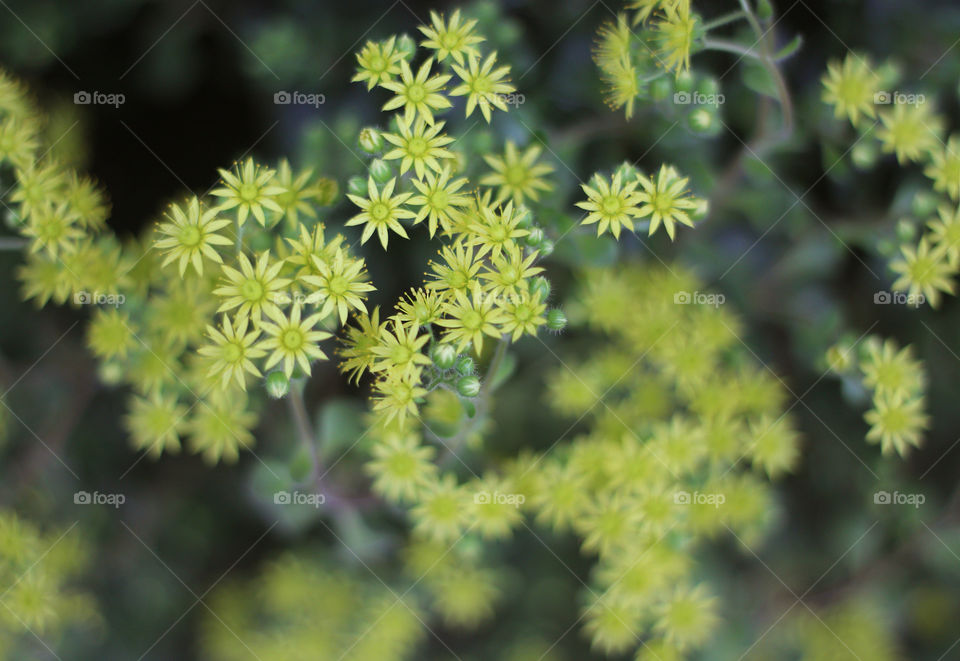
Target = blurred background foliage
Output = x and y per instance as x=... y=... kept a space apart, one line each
x=797 y=240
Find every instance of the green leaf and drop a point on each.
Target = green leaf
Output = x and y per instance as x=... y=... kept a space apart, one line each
x=790 y=48
x=340 y=424
x=507 y=365
x=757 y=78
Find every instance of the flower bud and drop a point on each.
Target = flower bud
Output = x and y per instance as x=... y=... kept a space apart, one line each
x=443 y=356
x=700 y=120
x=357 y=186
x=535 y=236
x=406 y=46
x=556 y=320
x=540 y=286
x=464 y=365
x=370 y=140
x=468 y=386
x=545 y=248
x=864 y=154
x=380 y=171
x=277 y=384
x=661 y=88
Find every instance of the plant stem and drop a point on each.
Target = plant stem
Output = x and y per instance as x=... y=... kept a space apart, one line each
x=492 y=368
x=305 y=433
x=731 y=47
x=724 y=19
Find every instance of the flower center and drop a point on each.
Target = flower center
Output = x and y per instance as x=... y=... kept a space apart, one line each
x=190 y=236
x=292 y=339
x=379 y=211
x=611 y=204
x=248 y=192
x=252 y=290
x=416 y=93
x=417 y=147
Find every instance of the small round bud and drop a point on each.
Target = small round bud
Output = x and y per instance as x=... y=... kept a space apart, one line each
x=443 y=356
x=556 y=320
x=700 y=120
x=627 y=172
x=535 y=236
x=277 y=384
x=464 y=365
x=524 y=215
x=864 y=154
x=661 y=88
x=370 y=140
x=357 y=186
x=906 y=230
x=380 y=171
x=701 y=210
x=708 y=86
x=468 y=386
x=540 y=286
x=406 y=46
x=685 y=82
x=923 y=204
x=546 y=248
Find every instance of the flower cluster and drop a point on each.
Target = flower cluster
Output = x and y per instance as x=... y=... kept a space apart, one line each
x=897 y=384
x=907 y=126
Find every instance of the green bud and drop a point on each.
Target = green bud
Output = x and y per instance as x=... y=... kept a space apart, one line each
x=277 y=384
x=535 y=236
x=701 y=210
x=357 y=186
x=380 y=171
x=864 y=154
x=685 y=82
x=545 y=247
x=556 y=320
x=370 y=140
x=540 y=285
x=406 y=46
x=700 y=120
x=906 y=230
x=924 y=204
x=464 y=365
x=627 y=172
x=443 y=356
x=468 y=386
x=661 y=88
x=523 y=213
x=764 y=10
x=709 y=86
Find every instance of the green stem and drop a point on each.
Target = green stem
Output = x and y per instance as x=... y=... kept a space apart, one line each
x=492 y=368
x=723 y=20
x=301 y=420
x=731 y=47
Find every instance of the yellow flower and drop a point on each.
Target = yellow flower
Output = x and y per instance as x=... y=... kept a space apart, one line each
x=356 y=356
x=451 y=39
x=612 y=206
x=522 y=314
x=252 y=289
x=896 y=422
x=924 y=271
x=439 y=200
x=510 y=271
x=419 y=308
x=674 y=32
x=517 y=175
x=232 y=350
x=911 y=131
x=944 y=168
x=417 y=95
x=666 y=200
x=483 y=85
x=469 y=318
x=401 y=467
x=53 y=230
x=396 y=395
x=292 y=340
x=191 y=235
x=220 y=425
x=400 y=351
x=155 y=423
x=250 y=190
x=379 y=63
x=420 y=146
x=459 y=268
x=381 y=211
x=851 y=88
x=945 y=233
x=496 y=230
x=341 y=284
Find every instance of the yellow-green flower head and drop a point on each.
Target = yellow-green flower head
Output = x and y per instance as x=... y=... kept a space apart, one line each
x=924 y=271
x=458 y=270
x=381 y=212
x=674 y=33
x=400 y=350
x=911 y=131
x=181 y=314
x=613 y=206
x=945 y=233
x=154 y=366
x=220 y=425
x=297 y=192
x=191 y=234
x=517 y=175
x=451 y=38
x=775 y=446
x=644 y=8
x=688 y=617
x=418 y=95
x=510 y=271
x=312 y=245
x=419 y=145
x=378 y=63
x=896 y=422
x=439 y=200
x=468 y=318
x=43 y=280
x=340 y=284
x=401 y=467
x=496 y=230
x=53 y=230
x=522 y=314
x=396 y=395
x=253 y=289
x=156 y=423
x=110 y=333
x=441 y=513
x=40 y=184
x=251 y=189
x=851 y=88
x=356 y=356
x=18 y=141
x=890 y=371
x=484 y=86
x=608 y=522
x=666 y=200
x=232 y=350
x=419 y=307
x=292 y=340
x=944 y=168
x=87 y=201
